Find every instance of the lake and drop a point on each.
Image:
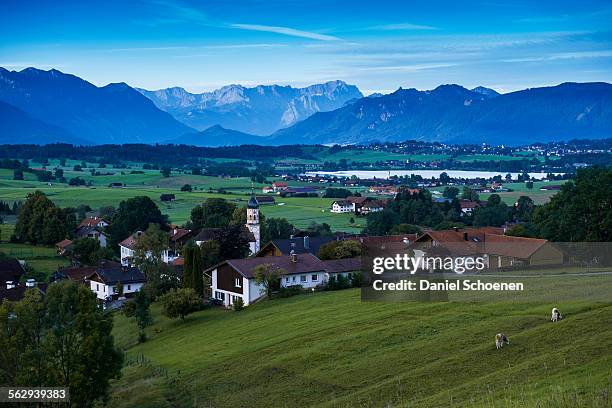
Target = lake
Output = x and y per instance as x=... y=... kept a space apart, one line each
x=383 y=174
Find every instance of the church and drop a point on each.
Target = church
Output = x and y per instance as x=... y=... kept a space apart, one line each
x=252 y=224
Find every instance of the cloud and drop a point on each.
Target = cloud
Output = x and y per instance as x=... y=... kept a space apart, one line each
x=286 y=31
x=402 y=27
x=564 y=56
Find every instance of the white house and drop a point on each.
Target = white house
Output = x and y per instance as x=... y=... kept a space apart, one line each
x=94 y=222
x=235 y=278
x=342 y=206
x=104 y=282
x=92 y=232
x=128 y=250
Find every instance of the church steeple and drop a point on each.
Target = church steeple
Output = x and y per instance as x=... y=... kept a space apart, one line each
x=252 y=222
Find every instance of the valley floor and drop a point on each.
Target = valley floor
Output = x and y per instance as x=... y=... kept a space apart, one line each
x=330 y=349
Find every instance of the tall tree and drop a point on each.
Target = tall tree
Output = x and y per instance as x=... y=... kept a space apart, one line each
x=63 y=340
x=132 y=215
x=197 y=271
x=188 y=266
x=581 y=210
x=213 y=213
x=40 y=221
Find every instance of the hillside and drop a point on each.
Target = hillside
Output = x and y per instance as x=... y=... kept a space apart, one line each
x=114 y=113
x=217 y=135
x=451 y=113
x=260 y=110
x=330 y=349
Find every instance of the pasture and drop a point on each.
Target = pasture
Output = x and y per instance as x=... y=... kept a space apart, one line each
x=330 y=349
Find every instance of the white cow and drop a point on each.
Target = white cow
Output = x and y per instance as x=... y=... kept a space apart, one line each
x=500 y=339
x=555 y=315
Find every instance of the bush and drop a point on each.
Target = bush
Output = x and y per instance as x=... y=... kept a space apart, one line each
x=238 y=305
x=288 y=291
x=129 y=309
x=338 y=282
x=180 y=302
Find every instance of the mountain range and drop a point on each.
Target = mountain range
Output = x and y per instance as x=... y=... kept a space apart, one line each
x=261 y=110
x=42 y=107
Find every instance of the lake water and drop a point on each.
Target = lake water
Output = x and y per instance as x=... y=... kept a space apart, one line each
x=383 y=174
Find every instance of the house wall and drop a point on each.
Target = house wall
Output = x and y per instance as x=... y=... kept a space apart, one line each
x=270 y=250
x=125 y=254
x=103 y=291
x=304 y=279
x=547 y=254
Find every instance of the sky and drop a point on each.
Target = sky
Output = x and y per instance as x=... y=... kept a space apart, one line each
x=377 y=45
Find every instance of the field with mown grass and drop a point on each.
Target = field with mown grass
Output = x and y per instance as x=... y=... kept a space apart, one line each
x=330 y=349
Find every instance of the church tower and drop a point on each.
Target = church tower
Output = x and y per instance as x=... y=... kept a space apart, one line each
x=252 y=223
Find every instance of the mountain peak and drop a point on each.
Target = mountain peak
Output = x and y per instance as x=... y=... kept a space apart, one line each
x=488 y=92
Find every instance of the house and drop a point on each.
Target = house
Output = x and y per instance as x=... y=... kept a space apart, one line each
x=497 y=249
x=116 y=185
x=344 y=267
x=267 y=190
x=104 y=282
x=167 y=197
x=64 y=247
x=371 y=207
x=11 y=272
x=342 y=206
x=128 y=250
x=15 y=291
x=235 y=278
x=92 y=232
x=299 y=245
x=468 y=206
x=206 y=234
x=80 y=274
x=94 y=221
x=386 y=190
x=279 y=186
x=298 y=192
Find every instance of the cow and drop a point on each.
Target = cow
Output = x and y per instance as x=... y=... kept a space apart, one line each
x=500 y=339
x=555 y=315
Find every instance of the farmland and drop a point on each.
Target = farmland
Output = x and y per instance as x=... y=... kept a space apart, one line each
x=330 y=349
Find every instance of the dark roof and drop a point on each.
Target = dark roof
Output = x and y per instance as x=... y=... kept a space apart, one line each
x=265 y=199
x=207 y=234
x=79 y=274
x=116 y=274
x=285 y=246
x=342 y=265
x=17 y=293
x=343 y=203
x=305 y=263
x=179 y=234
x=130 y=242
x=84 y=231
x=10 y=270
x=253 y=203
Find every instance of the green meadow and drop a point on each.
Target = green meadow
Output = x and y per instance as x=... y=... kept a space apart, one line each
x=330 y=349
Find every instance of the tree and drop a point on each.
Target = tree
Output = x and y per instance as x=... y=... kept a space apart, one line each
x=339 y=250
x=523 y=209
x=580 y=211
x=132 y=215
x=529 y=184
x=406 y=229
x=234 y=242
x=380 y=223
x=40 y=221
x=276 y=228
x=210 y=253
x=61 y=340
x=494 y=214
x=187 y=187
x=17 y=174
x=469 y=194
x=165 y=171
x=188 y=266
x=213 y=213
x=107 y=212
x=89 y=252
x=180 y=303
x=142 y=313
x=197 y=271
x=149 y=248
x=268 y=276
x=450 y=192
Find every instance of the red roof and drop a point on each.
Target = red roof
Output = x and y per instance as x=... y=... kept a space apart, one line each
x=468 y=204
x=279 y=184
x=130 y=242
x=91 y=222
x=64 y=243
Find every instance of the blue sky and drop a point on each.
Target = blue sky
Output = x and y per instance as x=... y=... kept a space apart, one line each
x=377 y=45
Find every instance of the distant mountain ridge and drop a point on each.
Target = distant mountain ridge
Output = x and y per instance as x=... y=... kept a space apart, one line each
x=114 y=113
x=217 y=135
x=260 y=110
x=451 y=113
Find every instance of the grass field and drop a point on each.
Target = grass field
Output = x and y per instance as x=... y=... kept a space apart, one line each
x=329 y=349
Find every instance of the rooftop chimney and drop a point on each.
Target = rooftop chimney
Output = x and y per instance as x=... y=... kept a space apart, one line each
x=293 y=256
x=30 y=283
x=465 y=236
x=10 y=285
x=306 y=242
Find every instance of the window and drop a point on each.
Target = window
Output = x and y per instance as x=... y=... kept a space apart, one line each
x=287 y=279
x=237 y=282
x=97 y=287
x=314 y=277
x=302 y=278
x=293 y=278
x=219 y=295
x=129 y=287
